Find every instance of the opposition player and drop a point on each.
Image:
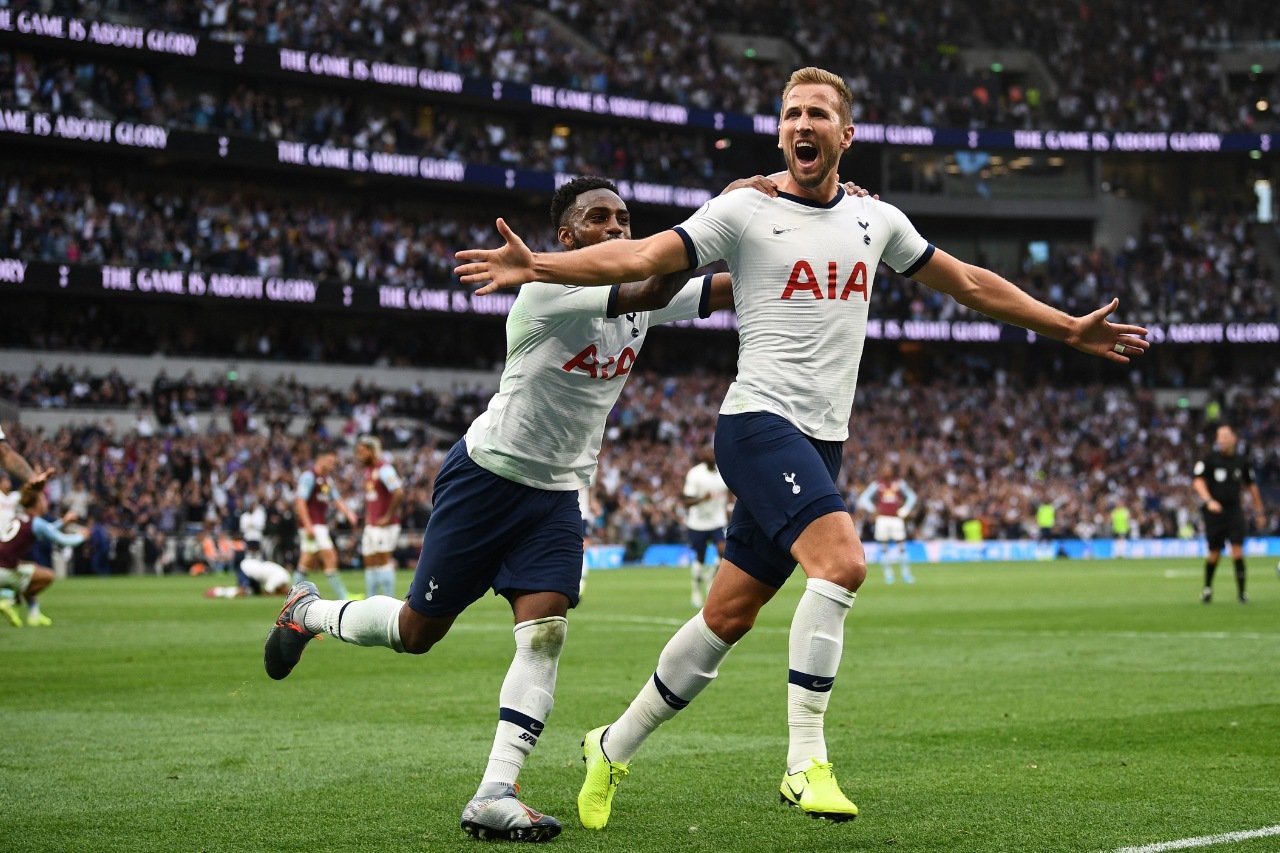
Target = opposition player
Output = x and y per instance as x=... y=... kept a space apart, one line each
x=803 y=263
x=383 y=494
x=506 y=514
x=890 y=500
x=256 y=576
x=1219 y=478
x=706 y=500
x=27 y=580
x=315 y=493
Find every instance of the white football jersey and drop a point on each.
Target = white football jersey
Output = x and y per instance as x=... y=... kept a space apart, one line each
x=8 y=506
x=802 y=278
x=272 y=576
x=567 y=361
x=712 y=513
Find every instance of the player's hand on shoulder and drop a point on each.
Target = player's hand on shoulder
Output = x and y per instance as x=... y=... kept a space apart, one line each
x=759 y=183
x=853 y=189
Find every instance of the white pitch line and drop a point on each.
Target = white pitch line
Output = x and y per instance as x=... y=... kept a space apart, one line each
x=658 y=622
x=1203 y=840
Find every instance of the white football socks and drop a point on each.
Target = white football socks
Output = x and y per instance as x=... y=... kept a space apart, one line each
x=528 y=693
x=372 y=622
x=813 y=657
x=688 y=663
x=699 y=592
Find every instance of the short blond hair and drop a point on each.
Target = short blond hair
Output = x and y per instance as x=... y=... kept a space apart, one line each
x=823 y=77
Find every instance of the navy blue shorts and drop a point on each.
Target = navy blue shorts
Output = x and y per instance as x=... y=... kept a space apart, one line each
x=700 y=539
x=487 y=532
x=783 y=480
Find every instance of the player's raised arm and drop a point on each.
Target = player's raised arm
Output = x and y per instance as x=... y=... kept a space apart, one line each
x=998 y=298
x=606 y=263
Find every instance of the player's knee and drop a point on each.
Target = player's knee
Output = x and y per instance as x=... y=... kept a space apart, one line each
x=848 y=570
x=419 y=634
x=416 y=642
x=730 y=625
x=548 y=636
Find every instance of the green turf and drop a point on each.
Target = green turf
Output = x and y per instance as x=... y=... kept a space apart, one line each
x=1063 y=706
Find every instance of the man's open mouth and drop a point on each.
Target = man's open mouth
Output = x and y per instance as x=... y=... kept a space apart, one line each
x=806 y=153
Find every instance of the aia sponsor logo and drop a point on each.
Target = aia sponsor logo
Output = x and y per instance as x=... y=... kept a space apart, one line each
x=804 y=281
x=588 y=361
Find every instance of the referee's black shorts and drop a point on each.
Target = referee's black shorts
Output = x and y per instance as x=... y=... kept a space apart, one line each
x=1223 y=527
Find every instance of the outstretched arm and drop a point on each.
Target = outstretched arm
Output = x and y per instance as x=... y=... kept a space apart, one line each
x=1000 y=299
x=605 y=263
x=12 y=461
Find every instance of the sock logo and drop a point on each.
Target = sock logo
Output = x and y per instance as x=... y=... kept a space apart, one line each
x=791 y=478
x=821 y=685
x=668 y=696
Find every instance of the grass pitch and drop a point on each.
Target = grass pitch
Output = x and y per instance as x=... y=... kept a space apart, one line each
x=1065 y=706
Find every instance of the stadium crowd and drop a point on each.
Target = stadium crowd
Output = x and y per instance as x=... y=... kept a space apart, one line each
x=169 y=402
x=537 y=141
x=1202 y=266
x=1159 y=71
x=979 y=453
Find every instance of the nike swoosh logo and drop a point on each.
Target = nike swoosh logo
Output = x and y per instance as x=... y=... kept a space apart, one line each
x=777 y=230
x=793 y=791
x=823 y=685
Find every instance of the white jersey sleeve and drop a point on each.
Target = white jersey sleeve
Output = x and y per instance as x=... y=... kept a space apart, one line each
x=567 y=360
x=803 y=274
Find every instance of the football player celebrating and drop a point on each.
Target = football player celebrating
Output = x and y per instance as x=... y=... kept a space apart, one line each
x=803 y=262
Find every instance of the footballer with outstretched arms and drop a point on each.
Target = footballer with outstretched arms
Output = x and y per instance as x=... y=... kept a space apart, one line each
x=803 y=263
x=505 y=512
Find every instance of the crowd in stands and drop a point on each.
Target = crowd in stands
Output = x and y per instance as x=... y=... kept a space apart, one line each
x=247 y=231
x=170 y=402
x=1201 y=267
x=1109 y=66
x=992 y=451
x=538 y=141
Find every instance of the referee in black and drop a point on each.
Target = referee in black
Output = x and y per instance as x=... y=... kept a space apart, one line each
x=1219 y=478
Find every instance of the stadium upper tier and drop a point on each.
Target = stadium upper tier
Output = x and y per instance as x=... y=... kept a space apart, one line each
x=262 y=110
x=962 y=63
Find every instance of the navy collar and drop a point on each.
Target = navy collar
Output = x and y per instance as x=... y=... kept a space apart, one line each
x=807 y=202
